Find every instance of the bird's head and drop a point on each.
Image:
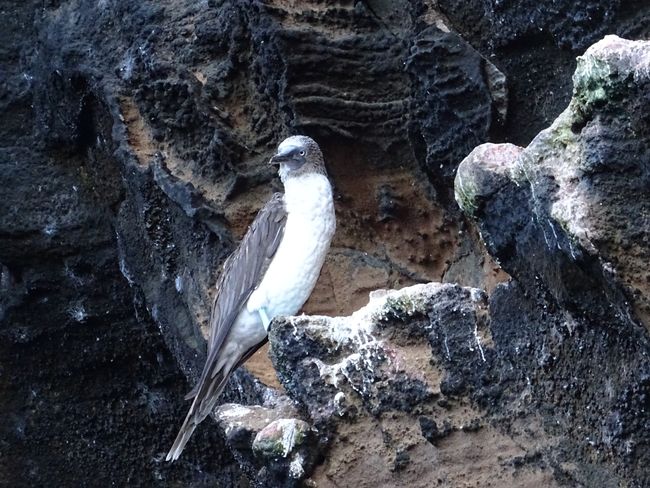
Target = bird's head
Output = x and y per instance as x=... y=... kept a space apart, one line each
x=298 y=155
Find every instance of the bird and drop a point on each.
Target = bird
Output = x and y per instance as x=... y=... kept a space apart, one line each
x=271 y=273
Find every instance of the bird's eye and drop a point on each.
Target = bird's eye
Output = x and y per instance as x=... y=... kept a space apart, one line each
x=302 y=153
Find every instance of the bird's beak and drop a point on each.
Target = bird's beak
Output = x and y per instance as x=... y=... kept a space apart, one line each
x=281 y=156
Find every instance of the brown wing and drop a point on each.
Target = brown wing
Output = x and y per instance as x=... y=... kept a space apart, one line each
x=241 y=274
x=245 y=267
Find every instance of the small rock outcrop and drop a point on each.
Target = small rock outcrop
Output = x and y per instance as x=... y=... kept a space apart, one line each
x=580 y=190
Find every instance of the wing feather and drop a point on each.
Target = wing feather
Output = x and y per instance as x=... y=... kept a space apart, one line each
x=241 y=274
x=245 y=267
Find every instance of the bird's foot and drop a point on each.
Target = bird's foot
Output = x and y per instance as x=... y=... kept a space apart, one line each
x=264 y=316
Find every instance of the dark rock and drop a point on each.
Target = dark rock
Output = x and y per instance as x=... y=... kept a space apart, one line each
x=574 y=197
x=431 y=431
x=384 y=364
x=402 y=460
x=134 y=138
x=273 y=447
x=471 y=98
x=578 y=189
x=535 y=45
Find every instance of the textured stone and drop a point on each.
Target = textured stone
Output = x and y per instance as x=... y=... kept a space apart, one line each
x=271 y=444
x=583 y=184
x=133 y=140
x=535 y=47
x=565 y=217
x=401 y=384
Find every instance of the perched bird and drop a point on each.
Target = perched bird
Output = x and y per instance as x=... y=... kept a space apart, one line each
x=271 y=273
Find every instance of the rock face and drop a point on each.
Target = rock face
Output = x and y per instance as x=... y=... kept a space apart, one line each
x=583 y=183
x=134 y=137
x=545 y=382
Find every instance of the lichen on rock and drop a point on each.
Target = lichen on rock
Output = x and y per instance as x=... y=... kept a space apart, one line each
x=604 y=73
x=280 y=438
x=584 y=183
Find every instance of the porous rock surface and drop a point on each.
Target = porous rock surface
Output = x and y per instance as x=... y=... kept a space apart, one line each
x=545 y=381
x=134 y=137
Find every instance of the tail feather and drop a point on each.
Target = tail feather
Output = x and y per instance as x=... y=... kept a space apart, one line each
x=193 y=392
x=205 y=398
x=183 y=436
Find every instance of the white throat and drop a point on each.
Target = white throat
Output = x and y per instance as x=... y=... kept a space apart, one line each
x=308 y=194
x=283 y=172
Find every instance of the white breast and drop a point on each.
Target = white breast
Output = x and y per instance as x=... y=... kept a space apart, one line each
x=293 y=272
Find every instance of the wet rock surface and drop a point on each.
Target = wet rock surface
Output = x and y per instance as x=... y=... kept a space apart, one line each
x=134 y=137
